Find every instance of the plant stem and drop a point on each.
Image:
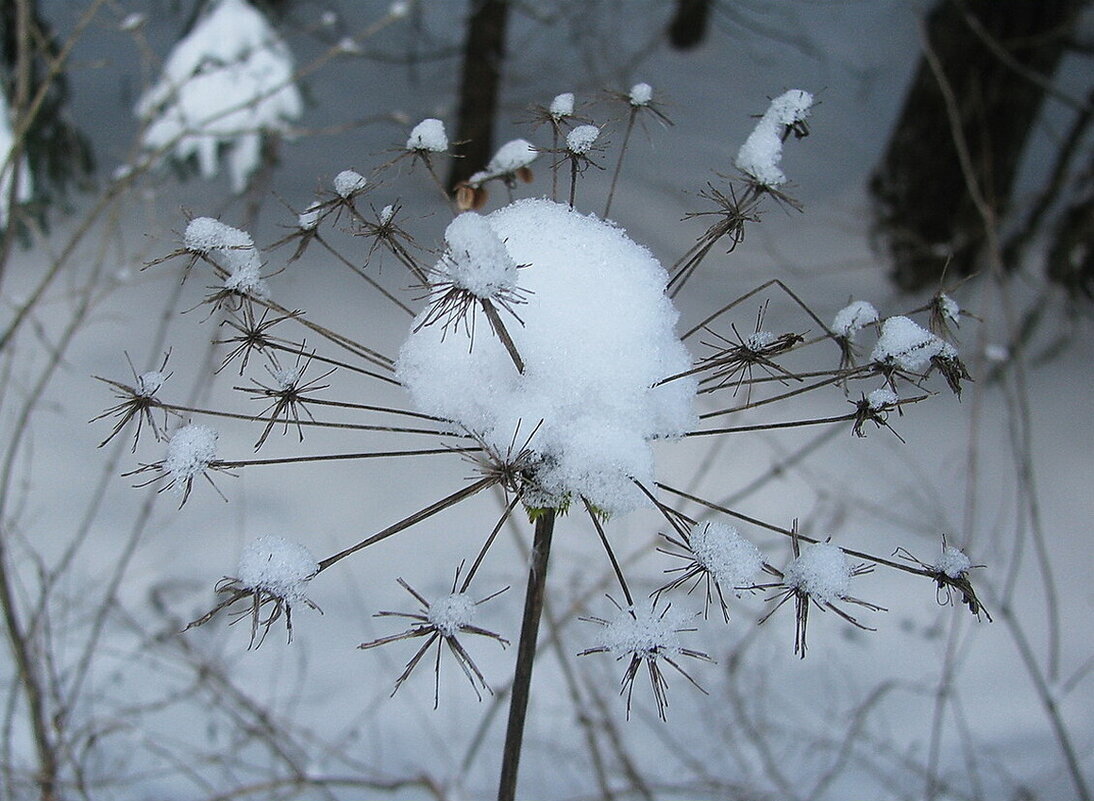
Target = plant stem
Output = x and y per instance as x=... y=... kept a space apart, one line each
x=526 y=653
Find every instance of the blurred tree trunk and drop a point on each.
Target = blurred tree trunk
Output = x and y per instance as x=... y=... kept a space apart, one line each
x=689 y=24
x=483 y=54
x=993 y=53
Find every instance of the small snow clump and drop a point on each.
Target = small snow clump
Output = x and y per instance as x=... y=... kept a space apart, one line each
x=759 y=340
x=476 y=259
x=905 y=344
x=274 y=565
x=226 y=85
x=428 y=135
x=880 y=398
x=949 y=307
x=822 y=571
x=726 y=555
x=190 y=451
x=953 y=562
x=510 y=157
x=386 y=213
x=205 y=235
x=581 y=139
x=348 y=183
x=148 y=384
x=451 y=613
x=562 y=106
x=761 y=153
x=853 y=317
x=597 y=337
x=641 y=94
x=308 y=220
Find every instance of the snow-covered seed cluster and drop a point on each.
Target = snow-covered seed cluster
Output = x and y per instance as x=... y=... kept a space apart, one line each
x=277 y=567
x=234 y=250
x=428 y=136
x=562 y=106
x=720 y=549
x=511 y=158
x=451 y=613
x=477 y=260
x=822 y=571
x=905 y=344
x=190 y=451
x=641 y=94
x=761 y=153
x=148 y=384
x=881 y=398
x=581 y=139
x=348 y=183
x=225 y=85
x=308 y=220
x=953 y=562
x=853 y=317
x=638 y=631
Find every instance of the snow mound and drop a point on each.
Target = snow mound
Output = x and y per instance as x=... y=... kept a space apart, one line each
x=597 y=336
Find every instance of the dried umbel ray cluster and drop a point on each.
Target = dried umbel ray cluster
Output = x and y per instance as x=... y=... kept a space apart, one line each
x=543 y=348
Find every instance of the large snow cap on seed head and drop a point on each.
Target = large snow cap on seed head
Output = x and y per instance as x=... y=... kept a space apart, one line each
x=597 y=335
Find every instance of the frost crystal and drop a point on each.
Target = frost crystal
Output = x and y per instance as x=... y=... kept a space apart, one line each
x=348 y=183
x=761 y=153
x=822 y=571
x=853 y=317
x=641 y=94
x=880 y=398
x=227 y=84
x=428 y=135
x=597 y=337
x=905 y=344
x=451 y=613
x=581 y=139
x=726 y=555
x=562 y=105
x=477 y=260
x=274 y=565
x=953 y=562
x=637 y=631
x=189 y=453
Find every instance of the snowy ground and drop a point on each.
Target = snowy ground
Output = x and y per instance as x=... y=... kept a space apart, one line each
x=772 y=726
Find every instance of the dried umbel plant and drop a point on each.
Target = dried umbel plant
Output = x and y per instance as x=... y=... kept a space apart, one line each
x=557 y=401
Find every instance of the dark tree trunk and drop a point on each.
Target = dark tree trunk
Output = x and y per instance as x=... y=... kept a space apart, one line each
x=689 y=23
x=924 y=209
x=483 y=54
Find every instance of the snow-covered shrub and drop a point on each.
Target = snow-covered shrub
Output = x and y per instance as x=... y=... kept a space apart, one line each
x=225 y=87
